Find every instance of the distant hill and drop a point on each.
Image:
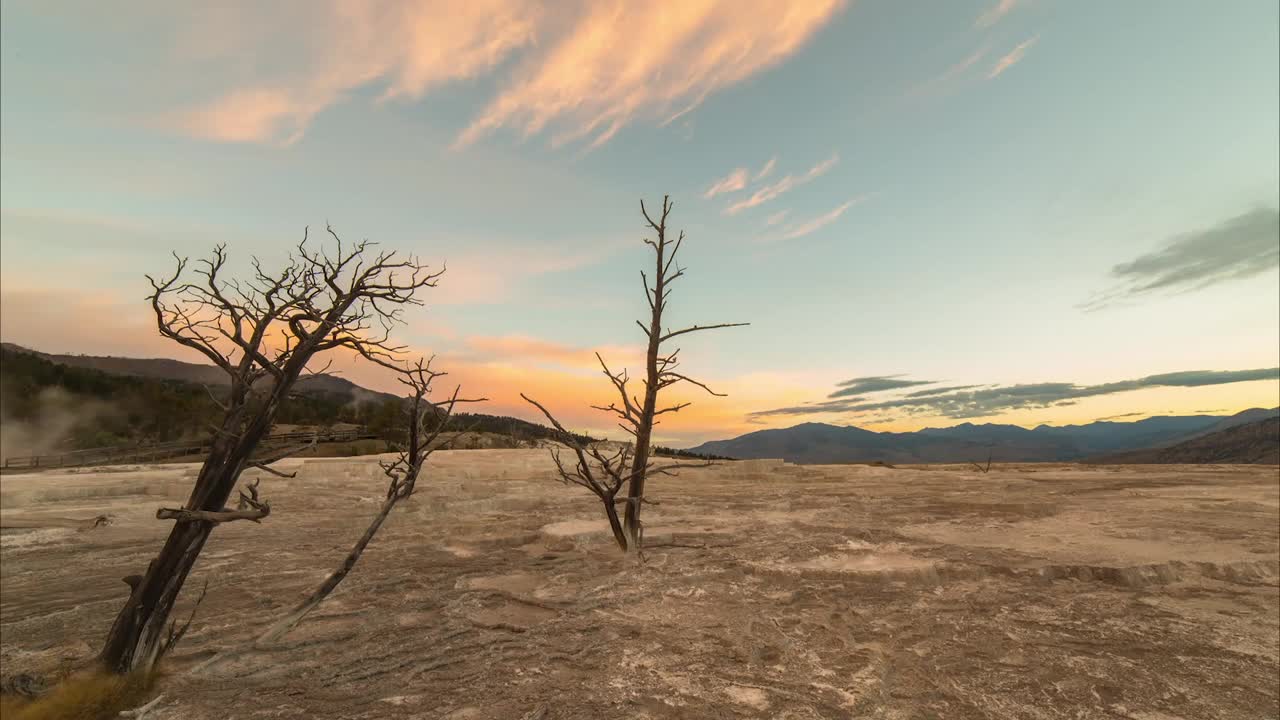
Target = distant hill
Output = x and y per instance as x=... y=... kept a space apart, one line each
x=166 y=369
x=1243 y=417
x=967 y=442
x=71 y=402
x=1251 y=443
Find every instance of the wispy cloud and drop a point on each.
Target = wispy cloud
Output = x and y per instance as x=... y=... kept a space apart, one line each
x=788 y=182
x=1240 y=247
x=874 y=384
x=776 y=218
x=816 y=224
x=406 y=48
x=764 y=171
x=580 y=69
x=995 y=13
x=949 y=79
x=523 y=349
x=732 y=182
x=1121 y=416
x=656 y=60
x=939 y=391
x=992 y=400
x=1012 y=58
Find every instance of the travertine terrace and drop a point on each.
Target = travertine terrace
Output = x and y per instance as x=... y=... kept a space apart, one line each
x=768 y=591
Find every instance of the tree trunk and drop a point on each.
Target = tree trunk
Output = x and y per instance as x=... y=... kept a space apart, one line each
x=137 y=637
x=644 y=429
x=619 y=534
x=276 y=631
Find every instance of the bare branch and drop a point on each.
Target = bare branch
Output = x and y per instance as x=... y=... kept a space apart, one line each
x=273 y=471
x=212 y=516
x=698 y=328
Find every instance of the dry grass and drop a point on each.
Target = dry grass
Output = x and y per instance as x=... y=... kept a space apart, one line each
x=92 y=695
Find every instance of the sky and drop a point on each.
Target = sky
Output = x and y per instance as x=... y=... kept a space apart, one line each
x=1015 y=211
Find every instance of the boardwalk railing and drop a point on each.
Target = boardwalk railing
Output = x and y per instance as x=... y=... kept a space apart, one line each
x=155 y=452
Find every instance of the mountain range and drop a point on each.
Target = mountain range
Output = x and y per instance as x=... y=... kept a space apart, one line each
x=967 y=442
x=1256 y=443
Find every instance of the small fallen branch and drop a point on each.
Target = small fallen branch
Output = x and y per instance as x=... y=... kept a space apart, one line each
x=140 y=712
x=251 y=508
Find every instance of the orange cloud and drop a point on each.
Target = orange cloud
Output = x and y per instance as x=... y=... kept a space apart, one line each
x=776 y=218
x=491 y=276
x=732 y=182
x=948 y=79
x=994 y=14
x=564 y=378
x=589 y=67
x=411 y=47
x=1013 y=58
x=256 y=115
x=657 y=60
x=764 y=171
x=524 y=349
x=789 y=182
x=821 y=221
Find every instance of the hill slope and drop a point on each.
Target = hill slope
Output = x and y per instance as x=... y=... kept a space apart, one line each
x=70 y=402
x=1254 y=443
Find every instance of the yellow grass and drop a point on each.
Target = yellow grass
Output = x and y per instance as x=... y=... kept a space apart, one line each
x=93 y=695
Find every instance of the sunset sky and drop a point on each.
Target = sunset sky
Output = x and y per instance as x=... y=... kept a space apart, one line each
x=1024 y=211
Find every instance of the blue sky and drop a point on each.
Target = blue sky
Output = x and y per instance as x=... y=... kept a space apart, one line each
x=954 y=193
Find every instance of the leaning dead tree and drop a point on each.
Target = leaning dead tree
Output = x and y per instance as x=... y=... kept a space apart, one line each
x=605 y=474
x=425 y=421
x=263 y=332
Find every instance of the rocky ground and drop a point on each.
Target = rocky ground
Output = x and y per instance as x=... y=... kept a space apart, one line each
x=768 y=591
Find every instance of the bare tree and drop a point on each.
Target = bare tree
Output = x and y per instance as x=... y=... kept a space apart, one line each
x=262 y=332
x=979 y=467
x=638 y=414
x=426 y=421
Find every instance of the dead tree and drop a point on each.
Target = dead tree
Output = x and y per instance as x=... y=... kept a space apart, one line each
x=638 y=415
x=263 y=333
x=605 y=479
x=426 y=420
x=979 y=467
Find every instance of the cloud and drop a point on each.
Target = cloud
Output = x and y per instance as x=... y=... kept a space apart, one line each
x=525 y=349
x=776 y=218
x=1240 y=247
x=764 y=171
x=994 y=14
x=578 y=67
x=874 y=384
x=950 y=78
x=659 y=60
x=732 y=182
x=816 y=224
x=992 y=400
x=1120 y=416
x=253 y=115
x=488 y=274
x=405 y=49
x=789 y=182
x=1012 y=58
x=938 y=391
